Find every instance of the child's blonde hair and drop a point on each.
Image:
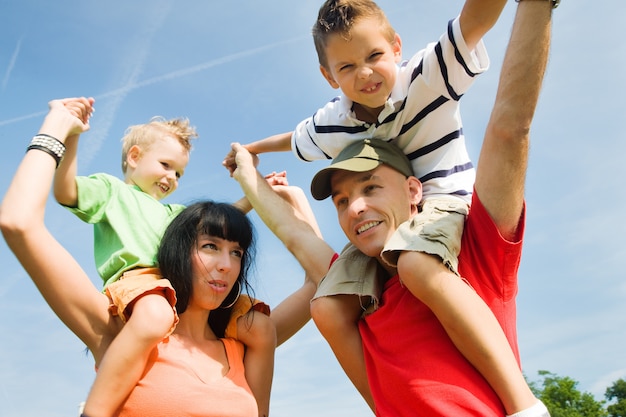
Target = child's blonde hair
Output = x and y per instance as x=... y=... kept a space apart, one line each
x=145 y=134
x=336 y=17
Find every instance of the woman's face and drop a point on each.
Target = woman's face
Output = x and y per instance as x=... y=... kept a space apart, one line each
x=215 y=265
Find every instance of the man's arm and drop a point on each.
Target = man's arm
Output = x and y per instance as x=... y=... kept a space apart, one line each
x=286 y=212
x=477 y=18
x=501 y=169
x=292 y=225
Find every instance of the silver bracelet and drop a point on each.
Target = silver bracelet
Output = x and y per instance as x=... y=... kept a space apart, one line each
x=48 y=144
x=555 y=3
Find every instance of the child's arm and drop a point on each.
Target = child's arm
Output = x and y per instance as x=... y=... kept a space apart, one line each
x=276 y=143
x=477 y=18
x=243 y=204
x=273 y=179
x=65 y=190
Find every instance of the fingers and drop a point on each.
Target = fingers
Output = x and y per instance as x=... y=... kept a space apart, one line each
x=277 y=178
x=82 y=108
x=229 y=161
x=242 y=154
x=79 y=107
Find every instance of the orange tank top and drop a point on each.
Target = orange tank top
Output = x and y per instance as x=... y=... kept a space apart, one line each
x=170 y=387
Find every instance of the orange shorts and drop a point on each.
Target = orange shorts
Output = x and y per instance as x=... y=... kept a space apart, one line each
x=133 y=285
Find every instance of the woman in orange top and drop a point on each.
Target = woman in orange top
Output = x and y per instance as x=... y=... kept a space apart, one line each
x=206 y=253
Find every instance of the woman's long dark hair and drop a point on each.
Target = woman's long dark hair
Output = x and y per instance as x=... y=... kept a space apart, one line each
x=210 y=218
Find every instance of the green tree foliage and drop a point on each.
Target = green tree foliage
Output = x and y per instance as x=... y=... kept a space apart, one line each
x=563 y=399
x=616 y=393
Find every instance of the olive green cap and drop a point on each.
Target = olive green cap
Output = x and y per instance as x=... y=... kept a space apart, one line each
x=361 y=156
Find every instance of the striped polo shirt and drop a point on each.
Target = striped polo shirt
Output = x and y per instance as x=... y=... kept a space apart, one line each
x=421 y=116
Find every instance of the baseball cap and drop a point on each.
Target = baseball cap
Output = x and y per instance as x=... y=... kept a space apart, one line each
x=361 y=156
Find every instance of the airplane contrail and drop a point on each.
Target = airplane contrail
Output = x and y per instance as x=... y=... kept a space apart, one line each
x=172 y=75
x=11 y=64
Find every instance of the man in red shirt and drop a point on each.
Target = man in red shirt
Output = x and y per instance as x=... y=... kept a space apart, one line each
x=412 y=365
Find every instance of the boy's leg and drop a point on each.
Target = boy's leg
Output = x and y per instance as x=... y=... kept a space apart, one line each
x=125 y=360
x=426 y=250
x=258 y=333
x=470 y=324
x=336 y=317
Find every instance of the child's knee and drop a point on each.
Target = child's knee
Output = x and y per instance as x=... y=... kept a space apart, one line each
x=152 y=317
x=423 y=273
x=336 y=313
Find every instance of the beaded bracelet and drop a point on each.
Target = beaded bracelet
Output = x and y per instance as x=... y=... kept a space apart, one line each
x=48 y=144
x=555 y=3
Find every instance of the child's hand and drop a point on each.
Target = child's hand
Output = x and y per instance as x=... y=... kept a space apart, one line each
x=230 y=160
x=68 y=117
x=239 y=153
x=81 y=108
x=277 y=178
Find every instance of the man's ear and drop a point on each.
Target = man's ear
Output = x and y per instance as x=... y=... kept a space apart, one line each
x=415 y=192
x=326 y=73
x=133 y=156
x=397 y=48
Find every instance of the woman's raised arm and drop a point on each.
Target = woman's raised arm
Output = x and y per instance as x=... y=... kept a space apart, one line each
x=61 y=281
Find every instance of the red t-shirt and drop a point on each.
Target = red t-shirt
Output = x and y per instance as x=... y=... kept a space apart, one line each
x=413 y=367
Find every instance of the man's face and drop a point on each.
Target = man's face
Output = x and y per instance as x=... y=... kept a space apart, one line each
x=371 y=205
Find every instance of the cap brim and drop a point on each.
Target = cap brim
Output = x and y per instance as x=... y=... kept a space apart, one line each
x=320 y=185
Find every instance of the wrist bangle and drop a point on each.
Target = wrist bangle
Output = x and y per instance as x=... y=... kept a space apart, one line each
x=46 y=143
x=555 y=3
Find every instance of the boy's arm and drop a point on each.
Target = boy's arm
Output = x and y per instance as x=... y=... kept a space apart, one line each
x=477 y=18
x=65 y=190
x=275 y=143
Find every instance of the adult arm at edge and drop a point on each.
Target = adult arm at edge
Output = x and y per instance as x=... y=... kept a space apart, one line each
x=53 y=270
x=501 y=168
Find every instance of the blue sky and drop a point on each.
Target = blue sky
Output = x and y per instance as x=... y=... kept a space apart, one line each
x=242 y=70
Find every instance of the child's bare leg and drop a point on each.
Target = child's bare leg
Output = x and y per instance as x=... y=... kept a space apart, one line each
x=470 y=324
x=258 y=333
x=125 y=359
x=336 y=317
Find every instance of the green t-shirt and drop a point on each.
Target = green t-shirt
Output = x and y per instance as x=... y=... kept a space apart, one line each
x=128 y=223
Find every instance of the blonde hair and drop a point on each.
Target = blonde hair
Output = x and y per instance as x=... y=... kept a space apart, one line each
x=336 y=17
x=146 y=134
